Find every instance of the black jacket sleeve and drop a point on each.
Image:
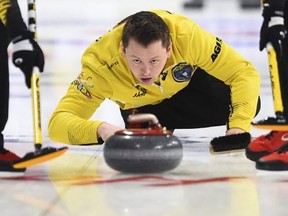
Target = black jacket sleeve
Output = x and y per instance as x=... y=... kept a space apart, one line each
x=11 y=17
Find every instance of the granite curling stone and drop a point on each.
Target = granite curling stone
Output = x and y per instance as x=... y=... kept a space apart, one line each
x=139 y=149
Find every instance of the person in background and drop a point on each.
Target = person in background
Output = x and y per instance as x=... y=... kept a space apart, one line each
x=269 y=151
x=161 y=63
x=26 y=54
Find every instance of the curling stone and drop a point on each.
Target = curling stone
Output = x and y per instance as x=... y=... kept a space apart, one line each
x=138 y=149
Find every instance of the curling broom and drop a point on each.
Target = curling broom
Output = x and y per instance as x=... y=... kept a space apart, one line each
x=40 y=154
x=275 y=81
x=276 y=94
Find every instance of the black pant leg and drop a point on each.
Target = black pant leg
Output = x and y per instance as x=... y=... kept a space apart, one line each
x=204 y=102
x=4 y=81
x=283 y=67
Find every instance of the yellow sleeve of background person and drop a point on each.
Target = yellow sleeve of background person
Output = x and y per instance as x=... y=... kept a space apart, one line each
x=5 y=5
x=105 y=74
x=10 y=16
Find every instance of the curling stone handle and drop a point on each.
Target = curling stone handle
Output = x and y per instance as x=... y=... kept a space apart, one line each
x=143 y=117
x=136 y=127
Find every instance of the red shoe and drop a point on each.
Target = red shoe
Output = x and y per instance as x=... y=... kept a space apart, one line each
x=266 y=144
x=6 y=164
x=8 y=156
x=276 y=161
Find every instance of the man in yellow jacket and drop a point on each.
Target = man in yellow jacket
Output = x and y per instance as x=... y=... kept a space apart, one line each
x=165 y=64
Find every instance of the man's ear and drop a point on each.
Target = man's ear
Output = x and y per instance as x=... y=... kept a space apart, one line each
x=169 y=50
x=122 y=48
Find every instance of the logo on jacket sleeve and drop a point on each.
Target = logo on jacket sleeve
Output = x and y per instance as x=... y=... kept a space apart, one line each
x=182 y=72
x=142 y=91
x=217 y=49
x=81 y=87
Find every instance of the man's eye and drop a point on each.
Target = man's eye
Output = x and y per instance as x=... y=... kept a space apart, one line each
x=136 y=61
x=154 y=61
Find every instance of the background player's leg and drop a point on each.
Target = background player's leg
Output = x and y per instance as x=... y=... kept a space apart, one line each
x=284 y=63
x=279 y=88
x=4 y=82
x=194 y=4
x=250 y=4
x=5 y=155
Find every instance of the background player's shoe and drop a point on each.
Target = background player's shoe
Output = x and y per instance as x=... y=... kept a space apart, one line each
x=7 y=170
x=9 y=156
x=272 y=123
x=266 y=144
x=6 y=164
x=272 y=120
x=276 y=161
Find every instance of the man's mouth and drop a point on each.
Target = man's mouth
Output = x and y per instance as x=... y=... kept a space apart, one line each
x=146 y=80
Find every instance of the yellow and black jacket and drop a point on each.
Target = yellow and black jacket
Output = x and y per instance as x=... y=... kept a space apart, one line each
x=105 y=74
x=10 y=17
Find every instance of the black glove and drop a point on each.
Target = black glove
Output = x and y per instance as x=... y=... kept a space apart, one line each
x=26 y=55
x=272 y=29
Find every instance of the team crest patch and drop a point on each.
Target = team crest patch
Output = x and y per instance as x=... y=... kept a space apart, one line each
x=81 y=87
x=182 y=72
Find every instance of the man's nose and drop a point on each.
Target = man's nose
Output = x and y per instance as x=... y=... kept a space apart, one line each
x=146 y=70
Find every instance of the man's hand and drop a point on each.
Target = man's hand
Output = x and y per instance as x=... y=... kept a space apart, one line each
x=105 y=130
x=26 y=55
x=234 y=131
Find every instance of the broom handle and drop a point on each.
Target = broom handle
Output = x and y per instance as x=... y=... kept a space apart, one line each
x=275 y=80
x=35 y=81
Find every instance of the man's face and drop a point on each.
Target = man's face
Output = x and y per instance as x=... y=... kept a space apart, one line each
x=146 y=63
